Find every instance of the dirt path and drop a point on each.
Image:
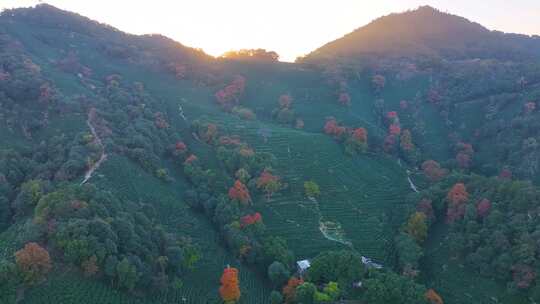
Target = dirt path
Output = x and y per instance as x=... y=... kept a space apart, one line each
x=103 y=157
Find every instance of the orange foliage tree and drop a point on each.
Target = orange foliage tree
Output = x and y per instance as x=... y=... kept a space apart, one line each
x=457 y=198
x=33 y=262
x=239 y=192
x=229 y=290
x=433 y=298
x=211 y=133
x=90 y=266
x=289 y=291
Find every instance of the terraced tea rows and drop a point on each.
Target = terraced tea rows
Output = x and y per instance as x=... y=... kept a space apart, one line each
x=179 y=217
x=356 y=192
x=131 y=183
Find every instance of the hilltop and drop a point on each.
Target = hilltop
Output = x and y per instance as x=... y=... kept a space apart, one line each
x=427 y=31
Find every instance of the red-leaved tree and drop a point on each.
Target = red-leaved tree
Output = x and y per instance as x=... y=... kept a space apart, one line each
x=250 y=219
x=239 y=192
x=289 y=291
x=523 y=275
x=483 y=207
x=457 y=198
x=505 y=174
x=180 y=146
x=190 y=159
x=332 y=128
x=464 y=155
x=269 y=183
x=389 y=143
x=425 y=206
x=344 y=98
x=433 y=298
x=229 y=96
x=433 y=170
x=529 y=107
x=394 y=129
x=285 y=101
x=360 y=135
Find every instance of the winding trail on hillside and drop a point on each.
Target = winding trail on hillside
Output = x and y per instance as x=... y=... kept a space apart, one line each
x=103 y=157
x=411 y=184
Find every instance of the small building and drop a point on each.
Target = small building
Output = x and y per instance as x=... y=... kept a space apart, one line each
x=302 y=266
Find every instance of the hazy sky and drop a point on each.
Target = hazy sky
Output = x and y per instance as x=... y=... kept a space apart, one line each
x=289 y=27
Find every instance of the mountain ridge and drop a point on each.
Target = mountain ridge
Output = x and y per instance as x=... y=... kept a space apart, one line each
x=427 y=31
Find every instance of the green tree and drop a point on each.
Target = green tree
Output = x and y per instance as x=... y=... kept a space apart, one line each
x=28 y=197
x=110 y=267
x=275 y=249
x=278 y=273
x=127 y=274
x=305 y=293
x=409 y=252
x=417 y=227
x=344 y=267
x=276 y=297
x=321 y=298
x=311 y=189
x=8 y=282
x=391 y=288
x=332 y=290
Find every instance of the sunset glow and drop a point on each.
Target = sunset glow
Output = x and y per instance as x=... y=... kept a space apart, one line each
x=291 y=28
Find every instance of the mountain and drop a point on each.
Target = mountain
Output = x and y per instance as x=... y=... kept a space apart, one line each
x=429 y=32
x=134 y=169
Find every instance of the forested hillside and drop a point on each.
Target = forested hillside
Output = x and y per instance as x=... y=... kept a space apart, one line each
x=134 y=169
